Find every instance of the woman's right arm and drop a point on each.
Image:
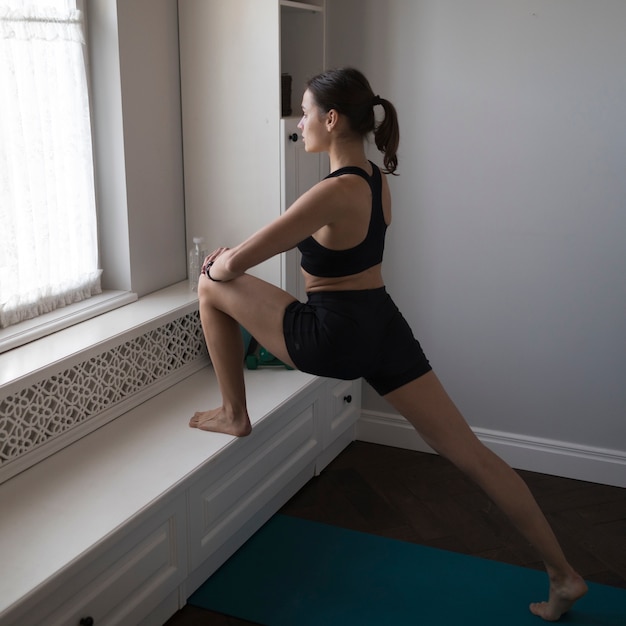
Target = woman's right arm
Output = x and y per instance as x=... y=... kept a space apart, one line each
x=319 y=206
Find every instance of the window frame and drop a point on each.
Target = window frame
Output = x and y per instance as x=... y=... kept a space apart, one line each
x=131 y=221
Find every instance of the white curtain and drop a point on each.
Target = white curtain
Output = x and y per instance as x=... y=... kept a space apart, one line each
x=48 y=231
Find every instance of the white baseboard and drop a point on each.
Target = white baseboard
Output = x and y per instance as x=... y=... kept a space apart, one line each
x=548 y=456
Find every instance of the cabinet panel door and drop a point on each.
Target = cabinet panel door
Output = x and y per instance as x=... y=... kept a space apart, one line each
x=230 y=493
x=122 y=580
x=345 y=408
x=300 y=171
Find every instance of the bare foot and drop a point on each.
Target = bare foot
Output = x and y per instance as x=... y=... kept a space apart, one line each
x=563 y=594
x=221 y=421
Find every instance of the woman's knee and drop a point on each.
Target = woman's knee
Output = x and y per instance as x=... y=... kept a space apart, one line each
x=206 y=290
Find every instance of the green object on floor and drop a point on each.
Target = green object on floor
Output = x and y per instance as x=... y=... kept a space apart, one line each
x=295 y=572
x=256 y=356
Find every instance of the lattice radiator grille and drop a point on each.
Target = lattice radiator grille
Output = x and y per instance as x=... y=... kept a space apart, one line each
x=36 y=415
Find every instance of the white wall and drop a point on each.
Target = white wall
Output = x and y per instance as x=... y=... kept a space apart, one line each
x=508 y=251
x=138 y=142
x=231 y=111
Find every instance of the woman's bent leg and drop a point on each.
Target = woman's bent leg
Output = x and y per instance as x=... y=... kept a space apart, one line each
x=426 y=405
x=259 y=307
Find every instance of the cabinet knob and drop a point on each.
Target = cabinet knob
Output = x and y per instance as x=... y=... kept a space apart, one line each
x=86 y=621
x=293 y=137
x=347 y=399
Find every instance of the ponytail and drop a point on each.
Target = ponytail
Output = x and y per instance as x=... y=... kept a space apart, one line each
x=387 y=135
x=347 y=91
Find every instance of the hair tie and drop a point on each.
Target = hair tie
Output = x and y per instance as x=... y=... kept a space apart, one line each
x=207 y=267
x=376 y=100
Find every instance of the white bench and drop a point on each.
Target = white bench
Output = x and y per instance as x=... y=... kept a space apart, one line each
x=124 y=524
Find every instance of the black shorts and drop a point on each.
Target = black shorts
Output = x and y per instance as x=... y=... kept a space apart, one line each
x=354 y=334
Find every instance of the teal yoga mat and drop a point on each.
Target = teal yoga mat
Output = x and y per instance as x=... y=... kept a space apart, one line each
x=294 y=572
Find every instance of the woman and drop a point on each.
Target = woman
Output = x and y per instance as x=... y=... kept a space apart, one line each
x=349 y=326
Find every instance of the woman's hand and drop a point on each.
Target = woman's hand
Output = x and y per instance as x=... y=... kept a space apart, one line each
x=214 y=261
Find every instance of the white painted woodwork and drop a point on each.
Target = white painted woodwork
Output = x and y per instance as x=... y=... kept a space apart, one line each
x=125 y=523
x=131 y=500
x=232 y=55
x=300 y=171
x=230 y=90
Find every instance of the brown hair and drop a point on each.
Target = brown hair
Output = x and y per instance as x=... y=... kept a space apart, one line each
x=348 y=92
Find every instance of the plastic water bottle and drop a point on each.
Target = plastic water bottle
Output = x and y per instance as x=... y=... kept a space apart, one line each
x=196 y=259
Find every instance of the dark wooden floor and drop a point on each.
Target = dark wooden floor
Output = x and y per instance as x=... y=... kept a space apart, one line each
x=422 y=498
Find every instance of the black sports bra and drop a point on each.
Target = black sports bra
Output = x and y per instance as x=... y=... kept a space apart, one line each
x=321 y=261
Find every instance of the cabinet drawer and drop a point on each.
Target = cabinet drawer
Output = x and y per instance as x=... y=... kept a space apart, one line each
x=231 y=491
x=344 y=408
x=121 y=580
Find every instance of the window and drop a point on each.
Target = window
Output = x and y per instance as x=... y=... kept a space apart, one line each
x=48 y=232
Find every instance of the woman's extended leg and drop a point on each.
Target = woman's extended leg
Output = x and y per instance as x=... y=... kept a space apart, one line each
x=427 y=406
x=259 y=307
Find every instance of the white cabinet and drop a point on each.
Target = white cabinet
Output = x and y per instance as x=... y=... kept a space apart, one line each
x=115 y=582
x=237 y=492
x=302 y=55
x=230 y=490
x=235 y=495
x=343 y=408
x=124 y=524
x=302 y=44
x=299 y=172
x=232 y=55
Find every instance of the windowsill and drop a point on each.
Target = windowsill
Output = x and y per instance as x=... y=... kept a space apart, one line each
x=61 y=349
x=64 y=317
